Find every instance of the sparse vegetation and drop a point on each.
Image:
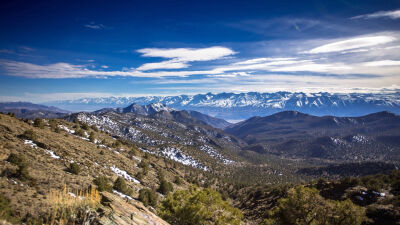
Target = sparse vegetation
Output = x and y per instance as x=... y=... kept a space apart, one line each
x=6 y=212
x=148 y=197
x=120 y=185
x=91 y=137
x=195 y=206
x=305 y=206
x=80 y=132
x=74 y=168
x=103 y=184
x=29 y=135
x=85 y=126
x=165 y=187
x=22 y=172
x=38 y=123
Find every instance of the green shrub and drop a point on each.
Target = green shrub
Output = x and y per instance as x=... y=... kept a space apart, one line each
x=11 y=114
x=57 y=129
x=80 y=132
x=165 y=187
x=195 y=206
x=139 y=176
x=148 y=197
x=94 y=127
x=91 y=137
x=305 y=206
x=133 y=152
x=22 y=172
x=121 y=186
x=74 y=168
x=85 y=126
x=17 y=160
x=38 y=123
x=178 y=180
x=103 y=184
x=29 y=134
x=145 y=166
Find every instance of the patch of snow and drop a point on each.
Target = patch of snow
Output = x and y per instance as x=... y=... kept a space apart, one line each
x=123 y=174
x=122 y=195
x=134 y=157
x=30 y=143
x=213 y=153
x=360 y=138
x=72 y=194
x=52 y=154
x=67 y=129
x=177 y=155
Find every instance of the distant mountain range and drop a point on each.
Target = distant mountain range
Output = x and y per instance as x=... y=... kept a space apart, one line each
x=231 y=106
x=30 y=111
x=164 y=112
x=292 y=134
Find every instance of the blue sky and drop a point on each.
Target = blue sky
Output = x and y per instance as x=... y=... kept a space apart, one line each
x=57 y=50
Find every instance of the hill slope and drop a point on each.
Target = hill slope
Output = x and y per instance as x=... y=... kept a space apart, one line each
x=30 y=110
x=294 y=134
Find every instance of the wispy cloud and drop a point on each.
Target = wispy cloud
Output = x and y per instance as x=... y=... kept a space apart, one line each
x=369 y=57
x=26 y=49
x=171 y=64
x=395 y=14
x=181 y=56
x=352 y=43
x=7 y=51
x=95 y=26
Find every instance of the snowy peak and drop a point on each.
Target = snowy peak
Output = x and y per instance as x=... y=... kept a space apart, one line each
x=145 y=110
x=156 y=107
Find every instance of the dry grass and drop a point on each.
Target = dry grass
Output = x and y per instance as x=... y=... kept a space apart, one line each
x=67 y=205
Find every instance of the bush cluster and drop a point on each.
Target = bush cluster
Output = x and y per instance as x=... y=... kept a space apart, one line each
x=148 y=197
x=103 y=184
x=305 y=206
x=38 y=123
x=195 y=206
x=120 y=185
x=74 y=168
x=22 y=172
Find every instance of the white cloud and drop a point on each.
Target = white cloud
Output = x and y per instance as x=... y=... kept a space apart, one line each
x=180 y=56
x=382 y=63
x=95 y=26
x=66 y=70
x=170 y=64
x=261 y=60
x=314 y=67
x=104 y=66
x=395 y=14
x=188 y=54
x=353 y=43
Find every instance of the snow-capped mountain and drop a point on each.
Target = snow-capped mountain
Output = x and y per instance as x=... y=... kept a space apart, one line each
x=145 y=110
x=232 y=106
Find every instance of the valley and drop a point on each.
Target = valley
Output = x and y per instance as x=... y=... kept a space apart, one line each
x=260 y=153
